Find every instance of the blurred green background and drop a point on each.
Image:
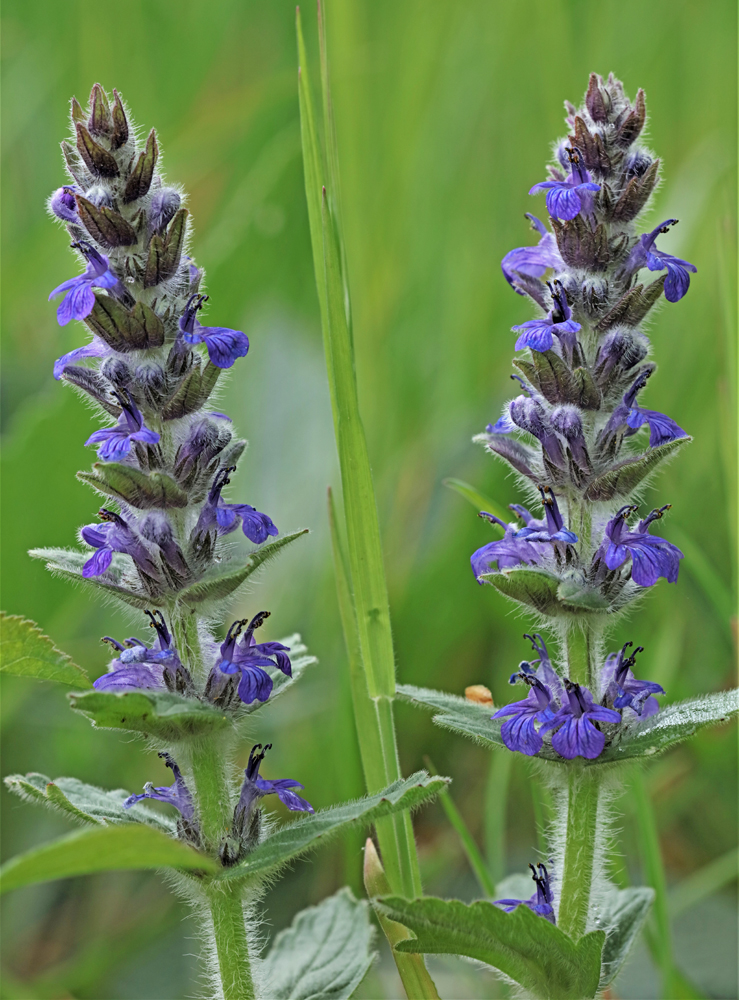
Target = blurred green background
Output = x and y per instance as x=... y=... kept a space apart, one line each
x=445 y=114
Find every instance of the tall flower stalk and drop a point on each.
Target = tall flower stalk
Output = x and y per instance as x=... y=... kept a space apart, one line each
x=584 y=445
x=164 y=545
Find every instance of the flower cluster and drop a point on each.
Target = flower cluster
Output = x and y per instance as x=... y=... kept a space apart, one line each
x=236 y=677
x=569 y=712
x=150 y=366
x=582 y=367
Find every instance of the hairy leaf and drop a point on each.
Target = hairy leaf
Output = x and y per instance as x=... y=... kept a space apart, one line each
x=324 y=954
x=140 y=489
x=83 y=802
x=163 y=714
x=621 y=915
x=458 y=714
x=101 y=849
x=521 y=944
x=293 y=839
x=217 y=587
x=527 y=586
x=626 y=476
x=119 y=581
x=671 y=725
x=26 y=652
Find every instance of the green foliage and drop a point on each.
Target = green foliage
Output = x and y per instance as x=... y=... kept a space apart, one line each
x=85 y=803
x=622 y=915
x=140 y=489
x=522 y=945
x=293 y=839
x=622 y=480
x=163 y=714
x=26 y=652
x=217 y=587
x=120 y=580
x=98 y=850
x=324 y=954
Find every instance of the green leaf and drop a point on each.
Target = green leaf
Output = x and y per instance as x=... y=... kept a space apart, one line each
x=140 y=489
x=671 y=725
x=458 y=714
x=215 y=588
x=163 y=714
x=324 y=954
x=478 y=500
x=120 y=581
x=621 y=915
x=528 y=586
x=623 y=479
x=110 y=848
x=26 y=652
x=534 y=953
x=294 y=839
x=86 y=803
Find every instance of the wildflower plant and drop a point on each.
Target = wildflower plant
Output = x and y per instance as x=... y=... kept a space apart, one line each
x=167 y=545
x=583 y=446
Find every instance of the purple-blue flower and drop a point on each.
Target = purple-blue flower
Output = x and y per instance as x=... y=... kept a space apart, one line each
x=552 y=529
x=141 y=666
x=628 y=417
x=576 y=735
x=224 y=345
x=226 y=516
x=540 y=902
x=651 y=557
x=538 y=334
x=532 y=261
x=505 y=552
x=646 y=254
x=568 y=197
x=530 y=416
x=622 y=690
x=95 y=349
x=115 y=442
x=64 y=204
x=255 y=788
x=247 y=658
x=79 y=298
x=177 y=795
x=519 y=731
x=114 y=535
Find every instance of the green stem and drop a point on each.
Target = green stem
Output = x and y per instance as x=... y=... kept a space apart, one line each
x=581 y=654
x=577 y=876
x=213 y=795
x=232 y=948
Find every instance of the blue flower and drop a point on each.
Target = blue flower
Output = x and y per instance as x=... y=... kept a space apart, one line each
x=115 y=442
x=530 y=416
x=576 y=735
x=622 y=690
x=519 y=732
x=114 y=535
x=255 y=788
x=540 y=902
x=651 y=557
x=247 y=658
x=566 y=198
x=538 y=334
x=176 y=795
x=646 y=254
x=141 y=666
x=661 y=427
x=79 y=300
x=64 y=204
x=225 y=517
x=95 y=349
x=552 y=529
x=506 y=552
x=224 y=345
x=532 y=261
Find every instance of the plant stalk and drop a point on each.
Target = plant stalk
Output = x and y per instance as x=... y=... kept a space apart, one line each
x=232 y=948
x=577 y=875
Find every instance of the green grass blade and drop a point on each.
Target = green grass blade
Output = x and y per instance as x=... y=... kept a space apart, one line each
x=478 y=500
x=704 y=882
x=474 y=855
x=496 y=798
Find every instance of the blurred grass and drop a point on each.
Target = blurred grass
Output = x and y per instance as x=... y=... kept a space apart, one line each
x=445 y=115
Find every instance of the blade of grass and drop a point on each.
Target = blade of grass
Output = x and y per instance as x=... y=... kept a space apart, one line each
x=496 y=797
x=704 y=882
x=478 y=500
x=717 y=592
x=363 y=569
x=474 y=855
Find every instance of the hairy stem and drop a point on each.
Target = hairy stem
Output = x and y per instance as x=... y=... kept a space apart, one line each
x=577 y=876
x=232 y=948
x=580 y=645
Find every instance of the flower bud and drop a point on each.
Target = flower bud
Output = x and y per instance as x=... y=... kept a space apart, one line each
x=63 y=204
x=164 y=205
x=99 y=196
x=117 y=372
x=637 y=163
